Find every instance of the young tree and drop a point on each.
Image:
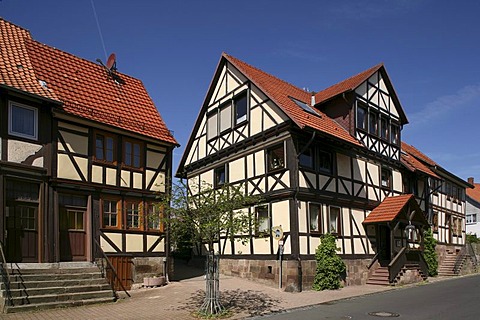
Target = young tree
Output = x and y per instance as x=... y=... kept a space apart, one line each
x=208 y=215
x=329 y=265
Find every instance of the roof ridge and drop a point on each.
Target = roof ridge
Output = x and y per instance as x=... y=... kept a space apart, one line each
x=377 y=66
x=228 y=56
x=360 y=75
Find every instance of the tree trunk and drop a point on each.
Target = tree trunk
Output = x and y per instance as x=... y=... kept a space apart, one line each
x=211 y=305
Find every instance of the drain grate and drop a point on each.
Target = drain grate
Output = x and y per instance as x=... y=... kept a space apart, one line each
x=384 y=314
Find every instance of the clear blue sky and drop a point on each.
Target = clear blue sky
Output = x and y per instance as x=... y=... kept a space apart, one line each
x=431 y=49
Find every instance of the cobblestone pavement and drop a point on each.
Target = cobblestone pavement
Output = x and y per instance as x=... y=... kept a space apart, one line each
x=179 y=299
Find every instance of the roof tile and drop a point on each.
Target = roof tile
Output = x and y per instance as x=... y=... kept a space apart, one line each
x=474 y=193
x=84 y=88
x=346 y=85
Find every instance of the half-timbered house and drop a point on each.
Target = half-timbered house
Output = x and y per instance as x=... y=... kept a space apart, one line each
x=325 y=162
x=84 y=153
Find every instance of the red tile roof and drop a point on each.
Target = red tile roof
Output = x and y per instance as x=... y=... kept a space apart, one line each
x=414 y=165
x=418 y=154
x=392 y=207
x=280 y=92
x=346 y=85
x=84 y=88
x=16 y=69
x=474 y=193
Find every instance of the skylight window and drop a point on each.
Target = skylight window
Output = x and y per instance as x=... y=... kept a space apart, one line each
x=305 y=106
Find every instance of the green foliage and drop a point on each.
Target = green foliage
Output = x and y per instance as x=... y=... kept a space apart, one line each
x=430 y=254
x=329 y=265
x=472 y=238
x=202 y=214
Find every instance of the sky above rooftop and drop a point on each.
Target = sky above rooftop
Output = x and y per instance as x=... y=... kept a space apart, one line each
x=430 y=49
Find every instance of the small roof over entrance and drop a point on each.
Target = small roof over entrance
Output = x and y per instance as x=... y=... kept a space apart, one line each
x=397 y=208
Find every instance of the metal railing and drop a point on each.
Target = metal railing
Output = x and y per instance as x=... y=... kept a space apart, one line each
x=112 y=269
x=6 y=278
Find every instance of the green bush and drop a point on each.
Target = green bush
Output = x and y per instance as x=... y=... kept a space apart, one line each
x=430 y=254
x=472 y=238
x=329 y=265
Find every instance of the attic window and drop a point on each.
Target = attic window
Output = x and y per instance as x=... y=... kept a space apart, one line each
x=304 y=106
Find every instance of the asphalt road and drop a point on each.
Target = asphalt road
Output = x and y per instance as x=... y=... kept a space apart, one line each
x=457 y=298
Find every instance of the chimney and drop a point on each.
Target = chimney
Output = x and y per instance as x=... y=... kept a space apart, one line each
x=313 y=100
x=470 y=180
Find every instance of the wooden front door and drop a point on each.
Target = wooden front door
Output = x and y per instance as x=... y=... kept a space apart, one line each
x=123 y=268
x=383 y=240
x=73 y=235
x=22 y=233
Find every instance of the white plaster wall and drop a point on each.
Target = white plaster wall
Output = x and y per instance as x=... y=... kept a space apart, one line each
x=19 y=151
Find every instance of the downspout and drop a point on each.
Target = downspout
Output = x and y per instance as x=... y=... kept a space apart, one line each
x=297 y=190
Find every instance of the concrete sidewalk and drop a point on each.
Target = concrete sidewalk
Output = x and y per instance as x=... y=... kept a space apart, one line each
x=179 y=299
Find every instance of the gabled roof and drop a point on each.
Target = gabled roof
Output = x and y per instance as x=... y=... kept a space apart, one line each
x=280 y=92
x=393 y=208
x=354 y=82
x=81 y=87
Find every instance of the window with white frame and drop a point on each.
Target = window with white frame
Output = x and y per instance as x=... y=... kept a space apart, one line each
x=22 y=121
x=472 y=218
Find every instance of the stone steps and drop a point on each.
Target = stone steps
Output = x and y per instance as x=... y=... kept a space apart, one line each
x=379 y=277
x=55 y=287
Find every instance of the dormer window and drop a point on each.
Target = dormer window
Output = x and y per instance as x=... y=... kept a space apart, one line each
x=373 y=123
x=22 y=121
x=395 y=134
x=384 y=128
x=361 y=117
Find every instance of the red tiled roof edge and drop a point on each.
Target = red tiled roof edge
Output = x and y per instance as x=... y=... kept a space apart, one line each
x=417 y=154
x=346 y=85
